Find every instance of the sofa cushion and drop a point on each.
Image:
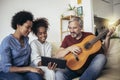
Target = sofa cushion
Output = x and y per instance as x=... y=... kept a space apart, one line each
x=110 y=74
x=113 y=54
x=55 y=47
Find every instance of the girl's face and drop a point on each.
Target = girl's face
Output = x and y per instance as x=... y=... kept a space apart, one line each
x=42 y=34
x=25 y=29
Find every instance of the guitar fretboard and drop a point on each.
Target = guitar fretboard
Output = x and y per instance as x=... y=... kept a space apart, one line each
x=99 y=36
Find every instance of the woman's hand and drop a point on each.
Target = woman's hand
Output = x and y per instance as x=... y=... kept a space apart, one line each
x=36 y=70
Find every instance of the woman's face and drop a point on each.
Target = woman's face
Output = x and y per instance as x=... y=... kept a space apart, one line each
x=42 y=34
x=25 y=29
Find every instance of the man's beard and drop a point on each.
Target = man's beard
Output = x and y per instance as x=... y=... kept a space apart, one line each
x=76 y=35
x=73 y=34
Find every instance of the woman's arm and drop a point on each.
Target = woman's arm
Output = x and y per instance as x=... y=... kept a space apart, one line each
x=25 y=69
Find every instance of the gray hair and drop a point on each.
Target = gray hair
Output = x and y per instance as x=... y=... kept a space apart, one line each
x=76 y=19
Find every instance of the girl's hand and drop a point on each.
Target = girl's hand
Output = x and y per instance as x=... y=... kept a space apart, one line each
x=52 y=66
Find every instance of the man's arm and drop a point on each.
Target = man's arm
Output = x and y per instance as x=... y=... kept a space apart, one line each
x=107 y=39
x=64 y=51
x=106 y=44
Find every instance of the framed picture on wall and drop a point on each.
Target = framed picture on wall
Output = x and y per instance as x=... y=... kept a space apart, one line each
x=79 y=11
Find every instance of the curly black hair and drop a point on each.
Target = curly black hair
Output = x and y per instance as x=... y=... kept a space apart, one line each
x=20 y=18
x=40 y=22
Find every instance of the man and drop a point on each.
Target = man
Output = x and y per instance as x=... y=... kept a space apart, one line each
x=96 y=62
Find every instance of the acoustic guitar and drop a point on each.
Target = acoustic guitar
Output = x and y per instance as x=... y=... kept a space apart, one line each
x=90 y=45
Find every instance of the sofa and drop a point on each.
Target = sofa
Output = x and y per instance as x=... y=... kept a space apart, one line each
x=112 y=68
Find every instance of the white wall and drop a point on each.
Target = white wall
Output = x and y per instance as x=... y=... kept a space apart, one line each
x=102 y=9
x=87 y=15
x=51 y=9
x=107 y=10
x=116 y=8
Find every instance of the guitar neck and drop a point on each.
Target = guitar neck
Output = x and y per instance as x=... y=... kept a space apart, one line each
x=99 y=36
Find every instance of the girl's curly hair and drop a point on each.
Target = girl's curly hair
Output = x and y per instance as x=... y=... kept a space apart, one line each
x=40 y=22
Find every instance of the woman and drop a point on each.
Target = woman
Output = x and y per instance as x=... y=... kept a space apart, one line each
x=40 y=47
x=15 y=51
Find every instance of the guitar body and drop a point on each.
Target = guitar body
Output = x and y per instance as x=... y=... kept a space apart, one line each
x=72 y=63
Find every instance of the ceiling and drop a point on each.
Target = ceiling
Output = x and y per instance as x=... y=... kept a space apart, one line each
x=114 y=2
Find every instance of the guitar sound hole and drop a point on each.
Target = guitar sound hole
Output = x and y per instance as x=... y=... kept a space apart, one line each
x=87 y=45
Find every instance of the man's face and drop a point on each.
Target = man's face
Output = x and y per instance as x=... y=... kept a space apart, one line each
x=75 y=29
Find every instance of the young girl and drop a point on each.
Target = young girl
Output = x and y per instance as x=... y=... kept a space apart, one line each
x=40 y=47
